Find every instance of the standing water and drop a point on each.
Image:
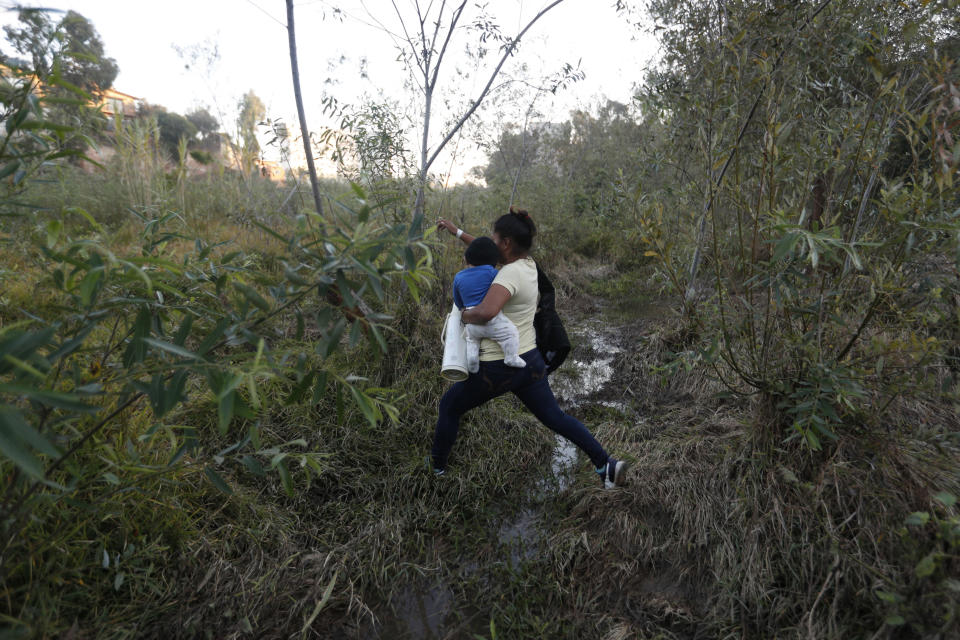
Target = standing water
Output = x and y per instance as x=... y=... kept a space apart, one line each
x=579 y=378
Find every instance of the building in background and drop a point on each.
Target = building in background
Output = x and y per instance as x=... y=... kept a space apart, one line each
x=112 y=102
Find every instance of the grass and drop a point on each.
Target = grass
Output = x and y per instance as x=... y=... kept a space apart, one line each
x=724 y=531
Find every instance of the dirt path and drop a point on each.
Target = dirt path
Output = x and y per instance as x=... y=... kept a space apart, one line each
x=586 y=382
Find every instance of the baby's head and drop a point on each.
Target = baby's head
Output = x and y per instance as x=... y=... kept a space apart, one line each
x=482 y=251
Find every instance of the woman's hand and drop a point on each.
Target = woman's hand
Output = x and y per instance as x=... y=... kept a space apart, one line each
x=454 y=231
x=446 y=224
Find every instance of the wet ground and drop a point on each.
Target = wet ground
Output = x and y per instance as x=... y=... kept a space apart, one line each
x=424 y=607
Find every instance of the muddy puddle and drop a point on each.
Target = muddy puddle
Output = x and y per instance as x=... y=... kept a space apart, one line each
x=426 y=607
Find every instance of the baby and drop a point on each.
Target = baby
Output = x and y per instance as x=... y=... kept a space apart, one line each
x=469 y=287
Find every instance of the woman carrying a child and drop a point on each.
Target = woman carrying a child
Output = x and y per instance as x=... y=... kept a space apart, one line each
x=513 y=292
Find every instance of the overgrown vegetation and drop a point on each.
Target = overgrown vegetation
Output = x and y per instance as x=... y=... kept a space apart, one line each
x=215 y=403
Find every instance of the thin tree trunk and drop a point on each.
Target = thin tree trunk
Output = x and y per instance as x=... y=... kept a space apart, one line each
x=424 y=167
x=430 y=77
x=523 y=149
x=708 y=206
x=304 y=131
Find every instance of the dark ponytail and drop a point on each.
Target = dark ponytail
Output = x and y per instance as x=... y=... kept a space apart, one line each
x=518 y=226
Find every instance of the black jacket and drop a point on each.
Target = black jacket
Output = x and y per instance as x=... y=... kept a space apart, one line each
x=552 y=340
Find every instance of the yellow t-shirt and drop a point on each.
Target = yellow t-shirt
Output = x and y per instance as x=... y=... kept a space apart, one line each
x=520 y=279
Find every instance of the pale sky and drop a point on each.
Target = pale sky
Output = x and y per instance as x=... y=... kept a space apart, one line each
x=251 y=38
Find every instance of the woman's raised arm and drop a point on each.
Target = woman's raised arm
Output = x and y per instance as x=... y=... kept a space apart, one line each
x=491 y=305
x=452 y=228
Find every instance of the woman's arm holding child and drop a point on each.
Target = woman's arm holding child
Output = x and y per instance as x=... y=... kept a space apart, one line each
x=491 y=305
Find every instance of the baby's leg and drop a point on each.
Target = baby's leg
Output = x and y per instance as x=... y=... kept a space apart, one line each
x=473 y=354
x=506 y=335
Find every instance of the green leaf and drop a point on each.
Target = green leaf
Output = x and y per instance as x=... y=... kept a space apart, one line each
x=184 y=331
x=253 y=296
x=242 y=409
x=894 y=621
x=356 y=331
x=333 y=338
x=214 y=337
x=268 y=230
x=345 y=290
x=369 y=411
x=946 y=499
x=301 y=325
x=253 y=465
x=889 y=596
x=320 y=387
x=16 y=438
x=54 y=229
x=412 y=286
x=217 y=480
x=171 y=348
x=918 y=518
x=225 y=410
x=46 y=125
x=379 y=338
x=295 y=277
x=927 y=565
x=300 y=389
x=88 y=286
x=416 y=227
x=285 y=478
x=85 y=215
x=56 y=399
x=785 y=246
x=137 y=349
x=358 y=191
x=56 y=79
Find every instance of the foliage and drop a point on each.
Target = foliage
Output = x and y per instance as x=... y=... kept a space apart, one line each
x=30 y=139
x=71 y=48
x=204 y=122
x=250 y=113
x=825 y=275
x=139 y=333
x=71 y=69
x=580 y=173
x=172 y=128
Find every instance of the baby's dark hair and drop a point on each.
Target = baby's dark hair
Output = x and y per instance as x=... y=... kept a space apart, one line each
x=482 y=251
x=518 y=226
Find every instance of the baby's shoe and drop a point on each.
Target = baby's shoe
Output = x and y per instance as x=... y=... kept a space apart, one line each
x=514 y=361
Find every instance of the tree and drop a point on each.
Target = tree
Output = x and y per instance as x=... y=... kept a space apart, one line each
x=172 y=127
x=251 y=113
x=423 y=45
x=71 y=48
x=68 y=59
x=301 y=114
x=786 y=115
x=207 y=127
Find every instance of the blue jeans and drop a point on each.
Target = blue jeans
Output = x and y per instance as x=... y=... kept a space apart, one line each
x=530 y=385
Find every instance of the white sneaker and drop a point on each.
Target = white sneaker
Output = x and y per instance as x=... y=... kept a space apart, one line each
x=614 y=473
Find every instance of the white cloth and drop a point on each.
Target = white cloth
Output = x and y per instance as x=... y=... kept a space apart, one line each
x=454 y=365
x=502 y=331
